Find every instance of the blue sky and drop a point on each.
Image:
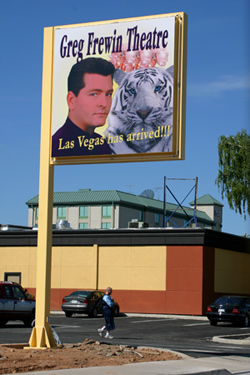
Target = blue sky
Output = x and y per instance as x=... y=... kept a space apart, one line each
x=218 y=88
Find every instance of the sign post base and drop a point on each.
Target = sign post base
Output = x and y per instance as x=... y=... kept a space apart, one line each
x=41 y=338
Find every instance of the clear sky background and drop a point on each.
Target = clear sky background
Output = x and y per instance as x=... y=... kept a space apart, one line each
x=218 y=93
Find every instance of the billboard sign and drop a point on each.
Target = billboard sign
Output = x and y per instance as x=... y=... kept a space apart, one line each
x=118 y=90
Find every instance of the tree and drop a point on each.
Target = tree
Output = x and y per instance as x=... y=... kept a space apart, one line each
x=234 y=171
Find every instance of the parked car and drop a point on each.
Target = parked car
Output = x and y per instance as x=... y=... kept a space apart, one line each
x=16 y=304
x=233 y=309
x=85 y=302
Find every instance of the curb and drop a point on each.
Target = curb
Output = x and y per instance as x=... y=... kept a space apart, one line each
x=243 y=339
x=181 y=355
x=140 y=315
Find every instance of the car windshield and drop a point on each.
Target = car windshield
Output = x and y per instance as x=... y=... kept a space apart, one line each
x=227 y=300
x=80 y=293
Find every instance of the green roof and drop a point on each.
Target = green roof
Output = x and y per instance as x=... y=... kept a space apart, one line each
x=206 y=200
x=84 y=196
x=87 y=196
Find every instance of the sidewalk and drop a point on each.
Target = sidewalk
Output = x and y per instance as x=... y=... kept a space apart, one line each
x=224 y=365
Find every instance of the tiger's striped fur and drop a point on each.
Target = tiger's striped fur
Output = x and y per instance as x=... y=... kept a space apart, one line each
x=143 y=102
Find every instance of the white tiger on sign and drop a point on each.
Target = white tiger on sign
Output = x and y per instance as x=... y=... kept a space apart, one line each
x=142 y=107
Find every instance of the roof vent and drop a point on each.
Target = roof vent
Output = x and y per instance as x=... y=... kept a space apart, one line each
x=137 y=224
x=62 y=224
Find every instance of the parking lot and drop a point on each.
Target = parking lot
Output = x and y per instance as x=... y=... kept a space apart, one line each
x=189 y=335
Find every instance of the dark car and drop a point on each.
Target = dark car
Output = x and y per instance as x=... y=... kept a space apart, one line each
x=233 y=309
x=16 y=304
x=85 y=302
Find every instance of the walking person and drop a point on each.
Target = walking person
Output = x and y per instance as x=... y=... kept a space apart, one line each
x=108 y=313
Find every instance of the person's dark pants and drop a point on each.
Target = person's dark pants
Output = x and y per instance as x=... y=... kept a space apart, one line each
x=109 y=320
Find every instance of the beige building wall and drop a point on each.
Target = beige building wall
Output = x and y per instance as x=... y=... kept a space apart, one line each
x=95 y=217
x=126 y=268
x=116 y=216
x=19 y=259
x=74 y=267
x=132 y=268
x=54 y=215
x=215 y=213
x=73 y=217
x=137 y=274
x=30 y=217
x=208 y=209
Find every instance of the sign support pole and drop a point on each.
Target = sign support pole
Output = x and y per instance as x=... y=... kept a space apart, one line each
x=42 y=336
x=164 y=204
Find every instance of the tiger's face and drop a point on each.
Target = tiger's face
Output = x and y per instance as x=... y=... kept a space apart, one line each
x=143 y=102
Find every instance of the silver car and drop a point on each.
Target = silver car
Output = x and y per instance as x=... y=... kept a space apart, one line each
x=85 y=302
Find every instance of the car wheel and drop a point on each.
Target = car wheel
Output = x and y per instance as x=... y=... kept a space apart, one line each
x=213 y=323
x=116 y=311
x=68 y=314
x=93 y=313
x=3 y=322
x=28 y=321
x=246 y=321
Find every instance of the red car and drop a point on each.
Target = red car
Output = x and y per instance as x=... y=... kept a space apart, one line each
x=16 y=304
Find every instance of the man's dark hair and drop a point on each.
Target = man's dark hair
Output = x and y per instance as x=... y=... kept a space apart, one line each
x=94 y=65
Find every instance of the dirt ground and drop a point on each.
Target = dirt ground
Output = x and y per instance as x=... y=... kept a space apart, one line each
x=14 y=359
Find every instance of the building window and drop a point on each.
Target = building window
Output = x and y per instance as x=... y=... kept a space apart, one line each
x=141 y=215
x=13 y=276
x=157 y=219
x=36 y=213
x=84 y=212
x=106 y=225
x=106 y=211
x=61 y=213
x=217 y=213
x=83 y=225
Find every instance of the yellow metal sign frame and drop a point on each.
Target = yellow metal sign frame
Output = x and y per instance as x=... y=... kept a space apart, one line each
x=179 y=115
